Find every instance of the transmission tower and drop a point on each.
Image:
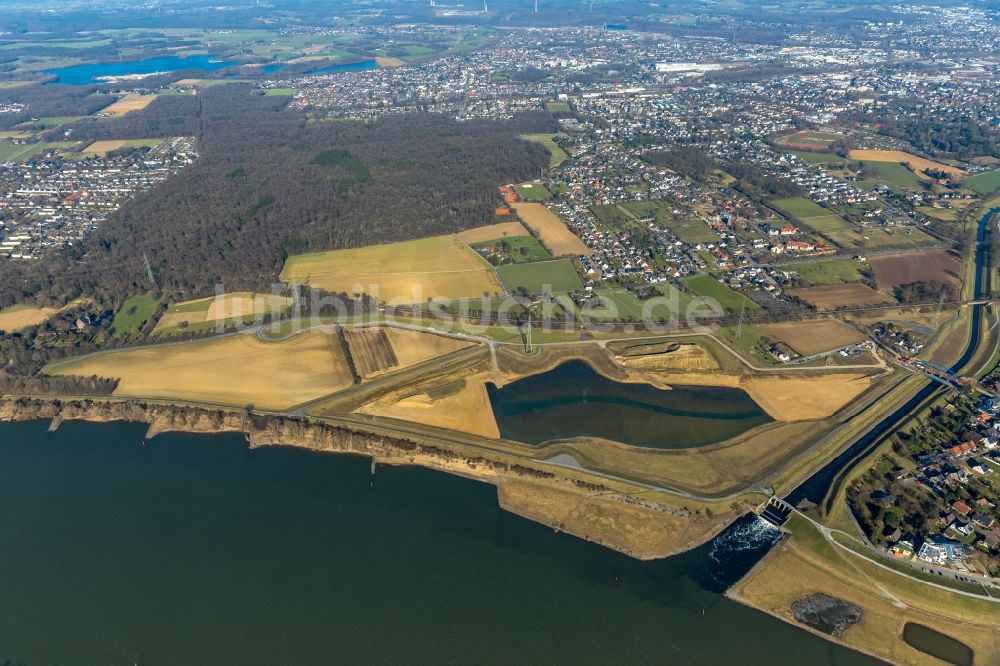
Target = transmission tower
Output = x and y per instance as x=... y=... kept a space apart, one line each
x=149 y=269
x=940 y=305
x=739 y=324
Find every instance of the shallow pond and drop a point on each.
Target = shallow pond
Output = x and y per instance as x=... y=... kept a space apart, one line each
x=574 y=400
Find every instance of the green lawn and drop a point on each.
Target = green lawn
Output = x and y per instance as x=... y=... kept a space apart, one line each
x=532 y=192
x=523 y=249
x=708 y=286
x=281 y=92
x=133 y=313
x=540 y=277
x=811 y=214
x=557 y=107
x=984 y=183
x=800 y=207
x=556 y=154
x=11 y=152
x=835 y=271
x=893 y=174
x=817 y=158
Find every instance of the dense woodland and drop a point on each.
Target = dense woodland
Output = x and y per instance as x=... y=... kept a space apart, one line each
x=269 y=183
x=962 y=138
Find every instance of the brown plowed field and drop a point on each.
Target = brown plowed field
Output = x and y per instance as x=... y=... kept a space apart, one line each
x=371 y=350
x=935 y=265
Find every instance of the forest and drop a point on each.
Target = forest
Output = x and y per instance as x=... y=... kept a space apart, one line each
x=269 y=182
x=943 y=137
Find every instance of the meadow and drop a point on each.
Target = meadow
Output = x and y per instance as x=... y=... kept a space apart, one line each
x=708 y=286
x=523 y=249
x=134 y=313
x=398 y=273
x=984 y=183
x=556 y=154
x=541 y=277
x=532 y=192
x=835 y=271
x=810 y=214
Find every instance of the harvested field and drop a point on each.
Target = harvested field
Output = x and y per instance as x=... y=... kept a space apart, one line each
x=461 y=405
x=377 y=350
x=236 y=370
x=106 y=146
x=17 y=317
x=935 y=265
x=237 y=305
x=493 y=231
x=814 y=337
x=788 y=399
x=398 y=273
x=552 y=231
x=918 y=164
x=834 y=296
x=388 y=62
x=127 y=104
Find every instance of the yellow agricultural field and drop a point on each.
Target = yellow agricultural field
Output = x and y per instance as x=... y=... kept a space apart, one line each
x=237 y=305
x=552 y=231
x=235 y=370
x=917 y=164
x=389 y=62
x=127 y=104
x=398 y=273
x=17 y=317
x=103 y=147
x=807 y=398
x=814 y=337
x=493 y=232
x=461 y=405
x=184 y=83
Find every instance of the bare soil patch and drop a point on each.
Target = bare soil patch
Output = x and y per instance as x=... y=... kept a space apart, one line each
x=831 y=297
x=814 y=337
x=934 y=265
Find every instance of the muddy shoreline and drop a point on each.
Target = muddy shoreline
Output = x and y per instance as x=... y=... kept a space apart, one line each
x=666 y=529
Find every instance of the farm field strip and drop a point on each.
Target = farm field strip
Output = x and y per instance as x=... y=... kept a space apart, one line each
x=398 y=273
x=551 y=230
x=234 y=370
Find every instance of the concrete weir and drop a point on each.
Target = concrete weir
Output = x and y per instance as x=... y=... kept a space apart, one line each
x=775 y=511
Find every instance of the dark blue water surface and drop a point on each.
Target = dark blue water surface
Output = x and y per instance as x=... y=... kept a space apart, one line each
x=90 y=73
x=196 y=550
x=573 y=400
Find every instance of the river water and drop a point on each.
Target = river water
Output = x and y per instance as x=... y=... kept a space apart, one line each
x=197 y=550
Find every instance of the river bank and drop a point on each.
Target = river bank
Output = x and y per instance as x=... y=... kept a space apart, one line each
x=630 y=523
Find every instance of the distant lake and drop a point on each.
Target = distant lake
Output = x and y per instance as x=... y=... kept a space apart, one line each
x=91 y=73
x=198 y=550
x=573 y=400
x=349 y=67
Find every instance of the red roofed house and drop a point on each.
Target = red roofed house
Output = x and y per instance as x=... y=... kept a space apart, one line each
x=961 y=508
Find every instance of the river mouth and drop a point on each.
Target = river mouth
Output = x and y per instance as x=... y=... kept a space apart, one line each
x=574 y=400
x=937 y=645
